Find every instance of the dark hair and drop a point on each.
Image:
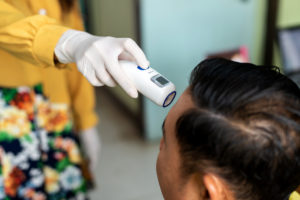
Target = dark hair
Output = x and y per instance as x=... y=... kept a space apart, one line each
x=245 y=128
x=66 y=5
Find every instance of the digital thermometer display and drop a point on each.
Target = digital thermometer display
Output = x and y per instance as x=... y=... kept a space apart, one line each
x=160 y=80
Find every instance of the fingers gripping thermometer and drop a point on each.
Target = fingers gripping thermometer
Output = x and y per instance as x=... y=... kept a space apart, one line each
x=150 y=83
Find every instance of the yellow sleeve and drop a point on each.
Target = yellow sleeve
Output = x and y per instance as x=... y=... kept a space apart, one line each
x=294 y=196
x=82 y=99
x=32 y=39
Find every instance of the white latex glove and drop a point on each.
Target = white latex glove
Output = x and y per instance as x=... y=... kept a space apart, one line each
x=97 y=58
x=91 y=144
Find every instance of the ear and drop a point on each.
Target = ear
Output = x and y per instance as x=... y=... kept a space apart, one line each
x=194 y=188
x=215 y=187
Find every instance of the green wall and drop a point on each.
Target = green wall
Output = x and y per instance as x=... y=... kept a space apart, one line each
x=289 y=13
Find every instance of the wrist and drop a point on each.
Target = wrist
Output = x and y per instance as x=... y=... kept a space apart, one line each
x=67 y=45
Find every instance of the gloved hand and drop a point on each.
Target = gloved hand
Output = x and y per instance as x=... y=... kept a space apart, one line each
x=91 y=144
x=97 y=58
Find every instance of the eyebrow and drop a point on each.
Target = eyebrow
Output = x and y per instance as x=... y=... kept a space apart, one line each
x=163 y=130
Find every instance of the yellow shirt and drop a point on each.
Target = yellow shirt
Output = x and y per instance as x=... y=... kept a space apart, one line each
x=27 y=42
x=294 y=196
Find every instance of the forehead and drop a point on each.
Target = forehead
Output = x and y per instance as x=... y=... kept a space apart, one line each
x=184 y=103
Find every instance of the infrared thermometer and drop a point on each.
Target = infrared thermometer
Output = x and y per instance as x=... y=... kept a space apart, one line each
x=150 y=83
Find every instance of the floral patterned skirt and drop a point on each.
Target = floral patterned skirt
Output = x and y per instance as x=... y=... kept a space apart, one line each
x=39 y=154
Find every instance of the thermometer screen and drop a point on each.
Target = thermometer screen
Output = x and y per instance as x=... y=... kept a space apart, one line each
x=159 y=80
x=162 y=80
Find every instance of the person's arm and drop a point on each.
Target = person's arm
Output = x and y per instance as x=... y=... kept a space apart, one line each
x=39 y=40
x=29 y=38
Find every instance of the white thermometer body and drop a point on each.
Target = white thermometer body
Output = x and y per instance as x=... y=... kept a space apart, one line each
x=150 y=83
